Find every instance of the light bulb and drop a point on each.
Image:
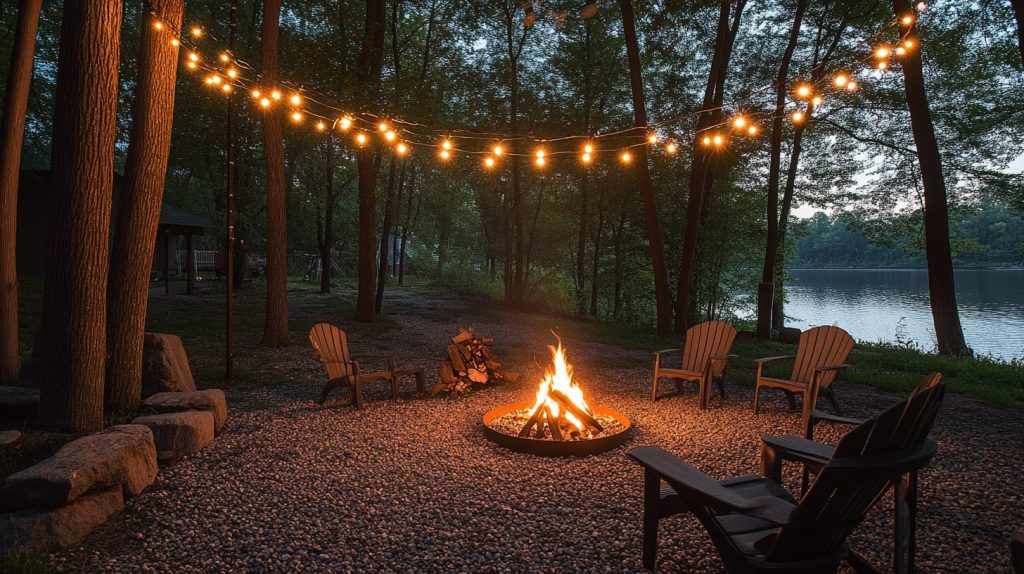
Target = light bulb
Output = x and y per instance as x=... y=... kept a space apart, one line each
x=851 y=87
x=265 y=102
x=191 y=65
x=401 y=148
x=446 y=145
x=489 y=162
x=345 y=123
x=706 y=140
x=585 y=158
x=445 y=154
x=816 y=100
x=908 y=43
x=158 y=25
x=192 y=56
x=588 y=148
x=740 y=122
x=225 y=57
x=197 y=31
x=361 y=138
x=226 y=88
x=275 y=95
x=670 y=148
x=882 y=52
x=907 y=20
x=652 y=138
x=626 y=157
x=803 y=90
x=390 y=135
x=296 y=99
x=232 y=73
x=752 y=130
x=175 y=42
x=539 y=154
x=256 y=93
x=883 y=65
x=320 y=125
x=717 y=140
x=540 y=161
x=498 y=150
x=296 y=116
x=798 y=117
x=841 y=80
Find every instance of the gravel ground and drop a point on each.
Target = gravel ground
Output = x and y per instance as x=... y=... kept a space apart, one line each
x=414 y=486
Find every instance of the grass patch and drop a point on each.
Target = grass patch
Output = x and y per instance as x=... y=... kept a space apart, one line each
x=18 y=561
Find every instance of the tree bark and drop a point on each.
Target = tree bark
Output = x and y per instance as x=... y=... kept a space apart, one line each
x=409 y=219
x=369 y=79
x=1018 y=14
x=138 y=214
x=662 y=294
x=275 y=326
x=700 y=165
x=778 y=298
x=326 y=243
x=385 y=232
x=941 y=285
x=12 y=133
x=74 y=297
x=765 y=290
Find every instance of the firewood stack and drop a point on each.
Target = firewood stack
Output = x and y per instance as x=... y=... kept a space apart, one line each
x=469 y=362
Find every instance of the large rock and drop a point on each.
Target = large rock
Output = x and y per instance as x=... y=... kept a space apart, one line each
x=209 y=400
x=122 y=456
x=165 y=365
x=179 y=434
x=58 y=527
x=17 y=406
x=9 y=437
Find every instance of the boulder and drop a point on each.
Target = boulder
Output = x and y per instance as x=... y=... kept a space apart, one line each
x=165 y=365
x=9 y=437
x=178 y=434
x=789 y=335
x=122 y=456
x=209 y=400
x=54 y=528
x=18 y=405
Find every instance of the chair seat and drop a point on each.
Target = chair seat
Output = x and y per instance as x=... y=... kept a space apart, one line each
x=680 y=374
x=375 y=376
x=774 y=383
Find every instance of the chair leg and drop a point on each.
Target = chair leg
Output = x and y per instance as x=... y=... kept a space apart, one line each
x=330 y=386
x=421 y=383
x=654 y=388
x=652 y=497
x=394 y=388
x=831 y=396
x=357 y=393
x=757 y=397
x=905 y=503
x=791 y=398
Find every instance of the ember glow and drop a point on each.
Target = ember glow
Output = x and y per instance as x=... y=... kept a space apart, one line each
x=561 y=381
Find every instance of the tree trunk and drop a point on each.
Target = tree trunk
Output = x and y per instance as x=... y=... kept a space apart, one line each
x=406 y=226
x=369 y=79
x=941 y=286
x=138 y=214
x=596 y=260
x=699 y=166
x=12 y=133
x=662 y=295
x=74 y=297
x=1018 y=14
x=619 y=267
x=327 y=235
x=765 y=290
x=275 y=326
x=385 y=232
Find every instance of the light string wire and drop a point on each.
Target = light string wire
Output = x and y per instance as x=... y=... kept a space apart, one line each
x=401 y=133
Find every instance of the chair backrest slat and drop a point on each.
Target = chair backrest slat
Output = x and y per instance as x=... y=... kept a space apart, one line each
x=839 y=499
x=820 y=347
x=706 y=340
x=331 y=344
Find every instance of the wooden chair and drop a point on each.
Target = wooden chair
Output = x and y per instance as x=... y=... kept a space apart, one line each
x=758 y=526
x=331 y=346
x=819 y=358
x=815 y=455
x=1017 y=551
x=705 y=359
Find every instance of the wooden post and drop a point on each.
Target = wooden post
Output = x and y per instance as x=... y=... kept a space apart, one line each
x=190 y=262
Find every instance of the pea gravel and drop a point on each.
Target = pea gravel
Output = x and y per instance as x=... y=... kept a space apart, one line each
x=413 y=485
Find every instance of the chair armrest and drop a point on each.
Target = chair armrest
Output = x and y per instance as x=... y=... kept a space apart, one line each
x=696 y=487
x=797 y=449
x=773 y=359
x=666 y=351
x=838 y=367
x=725 y=358
x=819 y=416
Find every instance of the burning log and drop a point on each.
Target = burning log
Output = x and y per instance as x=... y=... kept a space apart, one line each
x=566 y=404
x=468 y=363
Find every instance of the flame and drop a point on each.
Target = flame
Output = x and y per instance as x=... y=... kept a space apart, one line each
x=561 y=380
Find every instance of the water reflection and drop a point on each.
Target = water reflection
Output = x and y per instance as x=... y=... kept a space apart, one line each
x=892 y=305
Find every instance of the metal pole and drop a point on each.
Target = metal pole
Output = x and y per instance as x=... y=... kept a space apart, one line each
x=229 y=355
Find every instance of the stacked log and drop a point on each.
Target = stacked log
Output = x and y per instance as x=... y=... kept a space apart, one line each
x=469 y=364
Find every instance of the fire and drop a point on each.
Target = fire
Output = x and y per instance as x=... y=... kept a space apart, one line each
x=561 y=381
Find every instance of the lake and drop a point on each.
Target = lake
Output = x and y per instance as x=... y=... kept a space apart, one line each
x=891 y=305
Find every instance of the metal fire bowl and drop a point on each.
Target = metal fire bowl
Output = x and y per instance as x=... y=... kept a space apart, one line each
x=545 y=447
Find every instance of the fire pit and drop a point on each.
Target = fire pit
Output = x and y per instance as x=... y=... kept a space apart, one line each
x=559 y=422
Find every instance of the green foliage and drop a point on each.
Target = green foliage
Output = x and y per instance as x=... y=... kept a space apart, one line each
x=18 y=561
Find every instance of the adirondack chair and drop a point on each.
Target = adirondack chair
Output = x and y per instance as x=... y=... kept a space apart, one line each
x=705 y=359
x=758 y=526
x=331 y=345
x=819 y=358
x=814 y=455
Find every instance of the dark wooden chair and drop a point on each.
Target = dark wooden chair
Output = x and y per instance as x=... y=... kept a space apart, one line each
x=916 y=423
x=705 y=358
x=331 y=345
x=819 y=358
x=758 y=526
x=1017 y=551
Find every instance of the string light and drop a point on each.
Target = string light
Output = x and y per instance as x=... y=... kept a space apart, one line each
x=652 y=138
x=265 y=103
x=445 y=154
x=752 y=130
x=157 y=24
x=193 y=57
x=798 y=117
x=882 y=52
x=175 y=42
x=588 y=148
x=841 y=80
x=446 y=145
x=816 y=100
x=275 y=94
x=191 y=65
x=213 y=79
x=539 y=158
x=320 y=126
x=900 y=50
x=908 y=44
x=361 y=139
x=225 y=57
x=626 y=157
x=717 y=139
x=296 y=99
x=803 y=90
x=256 y=93
x=390 y=135
x=488 y=162
x=382 y=126
x=851 y=87
x=883 y=65
x=232 y=73
x=497 y=150
x=706 y=140
x=197 y=32
x=226 y=88
x=344 y=123
x=586 y=158
x=740 y=122
x=670 y=148
x=907 y=20
x=296 y=116
x=401 y=148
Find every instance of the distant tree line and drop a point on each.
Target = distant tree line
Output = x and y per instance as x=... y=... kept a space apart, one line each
x=989 y=235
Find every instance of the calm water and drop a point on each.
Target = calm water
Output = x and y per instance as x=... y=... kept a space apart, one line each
x=892 y=305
